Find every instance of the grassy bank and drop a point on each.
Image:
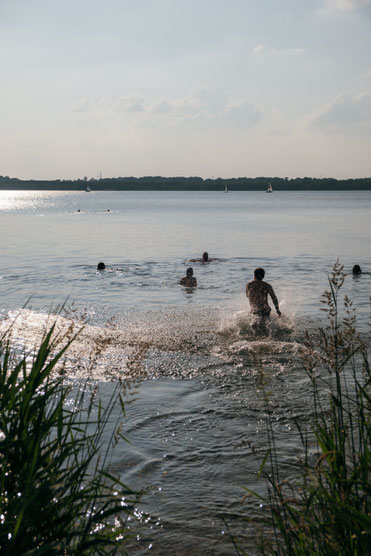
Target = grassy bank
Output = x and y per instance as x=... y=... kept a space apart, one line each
x=57 y=495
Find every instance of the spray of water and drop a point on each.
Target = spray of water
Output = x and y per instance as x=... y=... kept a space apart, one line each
x=184 y=343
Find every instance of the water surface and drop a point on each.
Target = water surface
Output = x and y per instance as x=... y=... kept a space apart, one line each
x=199 y=403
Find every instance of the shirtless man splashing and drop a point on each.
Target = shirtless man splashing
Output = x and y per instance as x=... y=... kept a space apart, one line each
x=257 y=291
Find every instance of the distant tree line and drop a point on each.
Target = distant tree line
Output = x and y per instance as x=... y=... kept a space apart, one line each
x=159 y=183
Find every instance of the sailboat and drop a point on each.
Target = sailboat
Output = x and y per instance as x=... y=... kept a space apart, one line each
x=269 y=188
x=87 y=189
x=225 y=189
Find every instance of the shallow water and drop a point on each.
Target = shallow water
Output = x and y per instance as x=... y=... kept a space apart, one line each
x=197 y=365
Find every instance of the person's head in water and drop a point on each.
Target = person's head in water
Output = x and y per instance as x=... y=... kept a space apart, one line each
x=259 y=273
x=357 y=270
x=190 y=271
x=101 y=266
x=205 y=256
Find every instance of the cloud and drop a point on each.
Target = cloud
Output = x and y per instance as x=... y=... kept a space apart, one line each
x=348 y=5
x=244 y=112
x=133 y=102
x=209 y=105
x=264 y=49
x=259 y=49
x=83 y=105
x=206 y=105
x=185 y=105
x=203 y=98
x=210 y=97
x=162 y=106
x=345 y=110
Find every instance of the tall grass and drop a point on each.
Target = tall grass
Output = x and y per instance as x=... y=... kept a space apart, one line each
x=326 y=509
x=57 y=495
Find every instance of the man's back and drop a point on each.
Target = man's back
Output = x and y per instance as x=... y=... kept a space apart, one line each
x=257 y=291
x=188 y=281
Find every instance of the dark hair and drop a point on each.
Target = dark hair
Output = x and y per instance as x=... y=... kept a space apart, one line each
x=357 y=269
x=190 y=271
x=259 y=273
x=101 y=266
x=205 y=256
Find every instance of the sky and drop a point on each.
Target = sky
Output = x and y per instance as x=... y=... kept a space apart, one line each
x=210 y=88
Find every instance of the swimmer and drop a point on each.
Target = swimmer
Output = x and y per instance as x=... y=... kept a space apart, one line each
x=257 y=291
x=189 y=281
x=356 y=270
x=101 y=266
x=204 y=259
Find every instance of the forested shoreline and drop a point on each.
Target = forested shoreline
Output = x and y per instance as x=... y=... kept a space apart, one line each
x=159 y=183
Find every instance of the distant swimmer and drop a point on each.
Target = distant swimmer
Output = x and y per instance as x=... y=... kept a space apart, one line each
x=357 y=271
x=189 y=281
x=257 y=291
x=205 y=258
x=101 y=266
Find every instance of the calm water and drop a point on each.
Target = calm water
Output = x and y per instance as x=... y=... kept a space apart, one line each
x=201 y=401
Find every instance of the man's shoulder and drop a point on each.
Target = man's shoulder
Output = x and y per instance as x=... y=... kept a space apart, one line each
x=188 y=281
x=256 y=283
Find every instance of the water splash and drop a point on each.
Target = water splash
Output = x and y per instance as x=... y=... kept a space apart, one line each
x=187 y=343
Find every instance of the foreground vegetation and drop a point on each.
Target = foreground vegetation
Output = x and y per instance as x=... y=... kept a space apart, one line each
x=326 y=508
x=57 y=495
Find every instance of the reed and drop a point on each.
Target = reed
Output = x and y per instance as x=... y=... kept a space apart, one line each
x=326 y=508
x=57 y=494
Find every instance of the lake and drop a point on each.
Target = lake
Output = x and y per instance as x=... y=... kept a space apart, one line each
x=198 y=404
